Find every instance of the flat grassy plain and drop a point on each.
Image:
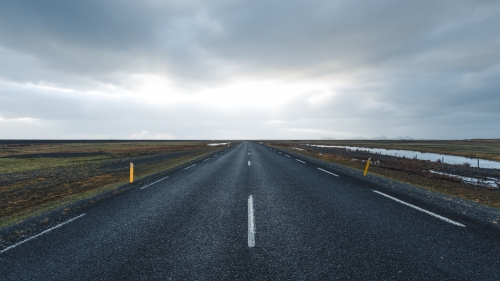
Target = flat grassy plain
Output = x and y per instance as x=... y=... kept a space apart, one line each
x=36 y=177
x=414 y=171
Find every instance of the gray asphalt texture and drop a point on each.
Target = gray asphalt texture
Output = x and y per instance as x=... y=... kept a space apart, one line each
x=310 y=225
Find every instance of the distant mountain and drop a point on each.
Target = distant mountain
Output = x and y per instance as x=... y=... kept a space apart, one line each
x=327 y=138
x=382 y=137
x=402 y=138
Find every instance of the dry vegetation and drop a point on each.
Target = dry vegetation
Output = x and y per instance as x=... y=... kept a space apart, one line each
x=41 y=176
x=410 y=171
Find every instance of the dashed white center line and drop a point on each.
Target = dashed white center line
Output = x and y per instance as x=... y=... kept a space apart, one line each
x=421 y=210
x=206 y=159
x=190 y=166
x=39 y=234
x=280 y=153
x=248 y=163
x=328 y=172
x=300 y=161
x=248 y=153
x=153 y=182
x=251 y=225
x=287 y=155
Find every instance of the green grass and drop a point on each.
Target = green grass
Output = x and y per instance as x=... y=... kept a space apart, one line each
x=112 y=150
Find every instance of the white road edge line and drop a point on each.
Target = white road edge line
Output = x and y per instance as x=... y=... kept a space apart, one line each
x=153 y=182
x=287 y=155
x=251 y=225
x=328 y=172
x=300 y=161
x=190 y=166
x=420 y=209
x=40 y=234
x=206 y=159
x=248 y=163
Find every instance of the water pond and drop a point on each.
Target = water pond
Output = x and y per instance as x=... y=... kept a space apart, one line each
x=449 y=159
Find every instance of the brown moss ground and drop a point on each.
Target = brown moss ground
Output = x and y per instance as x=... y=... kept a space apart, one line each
x=36 y=187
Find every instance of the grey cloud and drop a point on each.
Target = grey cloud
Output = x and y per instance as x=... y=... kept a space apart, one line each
x=422 y=67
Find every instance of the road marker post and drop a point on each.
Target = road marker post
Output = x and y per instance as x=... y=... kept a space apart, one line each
x=131 y=172
x=367 y=165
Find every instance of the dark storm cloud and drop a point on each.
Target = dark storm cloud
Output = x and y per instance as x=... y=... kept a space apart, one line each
x=97 y=38
x=292 y=36
x=332 y=35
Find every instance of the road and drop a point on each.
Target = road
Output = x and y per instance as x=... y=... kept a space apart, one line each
x=253 y=213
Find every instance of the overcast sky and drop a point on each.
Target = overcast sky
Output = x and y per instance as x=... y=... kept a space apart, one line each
x=249 y=69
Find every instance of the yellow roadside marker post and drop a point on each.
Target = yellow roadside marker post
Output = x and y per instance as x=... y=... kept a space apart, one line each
x=131 y=172
x=367 y=165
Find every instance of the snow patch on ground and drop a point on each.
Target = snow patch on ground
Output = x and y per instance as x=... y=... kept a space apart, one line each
x=217 y=144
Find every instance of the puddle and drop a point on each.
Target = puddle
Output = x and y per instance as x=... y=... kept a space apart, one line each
x=449 y=159
x=490 y=182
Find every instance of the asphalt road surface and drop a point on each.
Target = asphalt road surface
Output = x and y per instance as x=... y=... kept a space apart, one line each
x=252 y=213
